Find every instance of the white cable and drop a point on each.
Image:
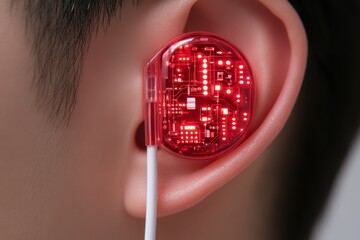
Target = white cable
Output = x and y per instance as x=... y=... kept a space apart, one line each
x=151 y=193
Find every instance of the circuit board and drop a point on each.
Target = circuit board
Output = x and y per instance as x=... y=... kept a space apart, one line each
x=206 y=101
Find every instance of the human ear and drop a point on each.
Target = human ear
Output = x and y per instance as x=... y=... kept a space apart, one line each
x=272 y=38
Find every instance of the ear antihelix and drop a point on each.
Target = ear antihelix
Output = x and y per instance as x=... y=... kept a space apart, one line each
x=199 y=92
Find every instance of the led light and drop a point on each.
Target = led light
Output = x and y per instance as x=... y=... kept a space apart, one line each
x=192 y=97
x=190 y=127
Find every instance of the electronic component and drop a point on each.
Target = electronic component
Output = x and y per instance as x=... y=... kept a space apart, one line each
x=199 y=92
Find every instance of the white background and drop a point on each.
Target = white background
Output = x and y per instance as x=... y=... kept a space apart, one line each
x=341 y=219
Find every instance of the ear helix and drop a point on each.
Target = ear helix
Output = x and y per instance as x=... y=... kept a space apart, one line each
x=199 y=94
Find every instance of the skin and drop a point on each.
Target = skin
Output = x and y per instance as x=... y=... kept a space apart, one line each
x=87 y=180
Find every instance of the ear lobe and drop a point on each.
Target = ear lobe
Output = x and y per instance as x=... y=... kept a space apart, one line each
x=272 y=38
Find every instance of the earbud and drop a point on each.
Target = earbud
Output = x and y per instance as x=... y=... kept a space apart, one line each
x=199 y=94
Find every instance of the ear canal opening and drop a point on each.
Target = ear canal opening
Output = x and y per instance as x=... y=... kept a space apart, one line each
x=140 y=137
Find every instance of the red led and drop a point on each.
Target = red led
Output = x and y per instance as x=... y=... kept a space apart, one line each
x=198 y=105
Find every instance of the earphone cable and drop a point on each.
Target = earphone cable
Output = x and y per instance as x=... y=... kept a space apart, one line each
x=151 y=193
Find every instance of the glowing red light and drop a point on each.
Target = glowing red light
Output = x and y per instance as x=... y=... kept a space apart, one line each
x=190 y=128
x=225 y=111
x=203 y=117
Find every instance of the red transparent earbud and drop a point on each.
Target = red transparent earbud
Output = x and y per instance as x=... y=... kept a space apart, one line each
x=199 y=93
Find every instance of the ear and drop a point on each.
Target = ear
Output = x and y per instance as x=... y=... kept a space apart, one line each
x=272 y=38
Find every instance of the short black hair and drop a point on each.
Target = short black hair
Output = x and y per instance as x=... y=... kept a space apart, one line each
x=61 y=32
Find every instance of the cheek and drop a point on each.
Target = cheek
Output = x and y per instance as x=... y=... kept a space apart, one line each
x=109 y=109
x=20 y=119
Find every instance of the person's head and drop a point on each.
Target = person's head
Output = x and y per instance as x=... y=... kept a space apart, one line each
x=72 y=159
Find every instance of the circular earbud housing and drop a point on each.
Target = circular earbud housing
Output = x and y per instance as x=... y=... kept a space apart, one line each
x=199 y=93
